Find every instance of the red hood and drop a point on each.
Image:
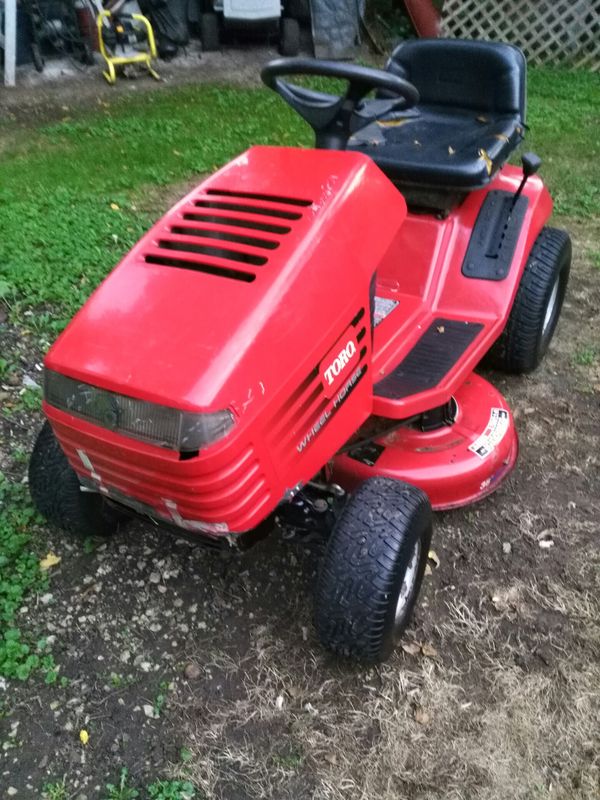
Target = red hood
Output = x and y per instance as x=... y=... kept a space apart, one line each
x=180 y=323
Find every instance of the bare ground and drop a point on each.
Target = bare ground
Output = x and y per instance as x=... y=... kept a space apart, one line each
x=495 y=695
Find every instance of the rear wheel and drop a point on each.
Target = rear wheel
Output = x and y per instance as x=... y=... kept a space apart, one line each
x=536 y=310
x=289 y=44
x=57 y=495
x=209 y=32
x=372 y=569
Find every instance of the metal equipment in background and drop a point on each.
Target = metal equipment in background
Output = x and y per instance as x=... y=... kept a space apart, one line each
x=264 y=17
x=55 y=25
x=125 y=39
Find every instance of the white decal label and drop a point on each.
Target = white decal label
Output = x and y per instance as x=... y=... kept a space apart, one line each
x=493 y=434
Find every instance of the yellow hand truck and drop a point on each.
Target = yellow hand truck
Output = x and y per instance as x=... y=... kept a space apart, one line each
x=129 y=55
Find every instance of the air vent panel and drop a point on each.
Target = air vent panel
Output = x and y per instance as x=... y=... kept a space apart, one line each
x=225 y=233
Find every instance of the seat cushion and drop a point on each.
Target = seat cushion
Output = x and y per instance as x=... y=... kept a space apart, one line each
x=439 y=147
x=470 y=117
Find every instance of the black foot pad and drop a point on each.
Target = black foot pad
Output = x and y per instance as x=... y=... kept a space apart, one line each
x=436 y=352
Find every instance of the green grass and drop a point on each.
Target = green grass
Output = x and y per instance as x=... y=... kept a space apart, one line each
x=61 y=230
x=123 y=789
x=55 y=791
x=586 y=356
x=564 y=121
x=20 y=575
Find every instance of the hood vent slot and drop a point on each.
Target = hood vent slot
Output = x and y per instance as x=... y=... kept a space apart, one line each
x=209 y=250
x=226 y=236
x=247 y=209
x=226 y=233
x=199 y=266
x=237 y=222
x=268 y=198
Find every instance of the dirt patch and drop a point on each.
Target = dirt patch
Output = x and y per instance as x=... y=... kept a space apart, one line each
x=505 y=704
x=49 y=97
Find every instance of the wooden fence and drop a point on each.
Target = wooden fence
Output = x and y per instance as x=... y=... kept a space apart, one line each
x=548 y=31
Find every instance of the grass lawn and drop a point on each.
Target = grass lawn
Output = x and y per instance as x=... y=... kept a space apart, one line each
x=74 y=197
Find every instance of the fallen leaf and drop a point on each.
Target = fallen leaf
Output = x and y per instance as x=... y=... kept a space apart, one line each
x=412 y=648
x=489 y=164
x=50 y=561
x=391 y=123
x=429 y=650
x=440 y=329
x=331 y=758
x=428 y=570
x=433 y=556
x=84 y=737
x=421 y=716
x=115 y=207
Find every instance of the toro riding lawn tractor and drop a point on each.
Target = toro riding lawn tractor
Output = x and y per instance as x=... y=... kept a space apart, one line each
x=297 y=338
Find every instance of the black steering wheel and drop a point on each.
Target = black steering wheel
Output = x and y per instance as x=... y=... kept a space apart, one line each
x=334 y=118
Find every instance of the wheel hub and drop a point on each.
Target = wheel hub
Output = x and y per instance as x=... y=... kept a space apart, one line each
x=408 y=585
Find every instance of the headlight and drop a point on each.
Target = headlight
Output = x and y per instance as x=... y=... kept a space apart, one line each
x=184 y=431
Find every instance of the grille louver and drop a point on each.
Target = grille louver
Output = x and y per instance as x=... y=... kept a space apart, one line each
x=308 y=403
x=227 y=234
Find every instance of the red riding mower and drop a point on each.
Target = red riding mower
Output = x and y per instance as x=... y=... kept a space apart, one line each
x=296 y=338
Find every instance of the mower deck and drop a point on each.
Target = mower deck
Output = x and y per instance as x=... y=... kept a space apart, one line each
x=455 y=464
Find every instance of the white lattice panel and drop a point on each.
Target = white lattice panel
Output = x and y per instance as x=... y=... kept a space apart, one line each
x=559 y=32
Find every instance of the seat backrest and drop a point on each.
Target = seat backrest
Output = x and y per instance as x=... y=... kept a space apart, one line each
x=461 y=73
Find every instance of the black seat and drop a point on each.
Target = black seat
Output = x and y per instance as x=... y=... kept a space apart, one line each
x=469 y=119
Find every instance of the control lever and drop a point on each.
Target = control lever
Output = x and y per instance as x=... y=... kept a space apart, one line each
x=531 y=164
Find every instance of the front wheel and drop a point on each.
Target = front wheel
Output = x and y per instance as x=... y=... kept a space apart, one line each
x=535 y=312
x=56 y=492
x=372 y=569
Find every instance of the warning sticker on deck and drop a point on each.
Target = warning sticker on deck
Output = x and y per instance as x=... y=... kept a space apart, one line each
x=493 y=434
x=383 y=307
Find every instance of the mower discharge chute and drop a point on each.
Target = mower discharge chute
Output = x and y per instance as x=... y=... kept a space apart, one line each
x=296 y=339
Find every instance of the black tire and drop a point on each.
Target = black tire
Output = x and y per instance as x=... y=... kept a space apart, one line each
x=56 y=492
x=209 y=32
x=38 y=58
x=289 y=43
x=383 y=527
x=525 y=339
